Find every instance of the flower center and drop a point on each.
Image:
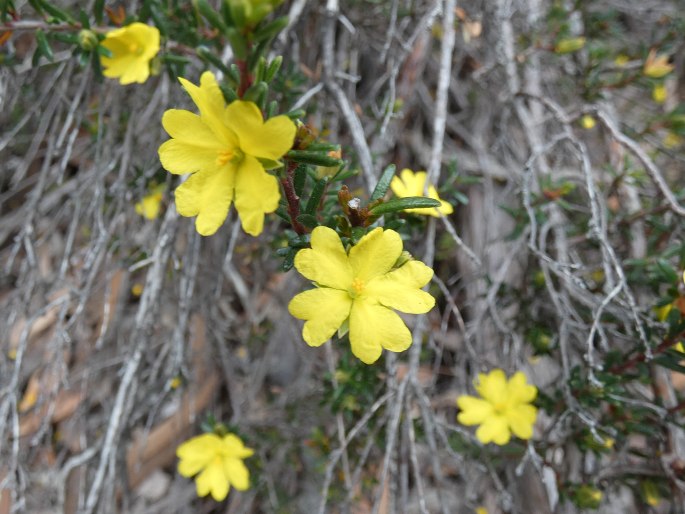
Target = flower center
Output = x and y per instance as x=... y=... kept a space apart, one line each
x=135 y=49
x=500 y=407
x=224 y=157
x=356 y=288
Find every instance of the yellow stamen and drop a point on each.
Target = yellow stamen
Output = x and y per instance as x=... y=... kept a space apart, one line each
x=357 y=288
x=224 y=157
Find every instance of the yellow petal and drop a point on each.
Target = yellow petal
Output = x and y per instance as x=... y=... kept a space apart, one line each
x=519 y=390
x=269 y=140
x=521 y=419
x=324 y=309
x=474 y=411
x=493 y=386
x=234 y=447
x=211 y=104
x=399 y=289
x=147 y=37
x=207 y=195
x=374 y=327
x=190 y=129
x=196 y=453
x=213 y=480
x=237 y=473
x=326 y=263
x=495 y=430
x=256 y=193
x=375 y=254
x=180 y=158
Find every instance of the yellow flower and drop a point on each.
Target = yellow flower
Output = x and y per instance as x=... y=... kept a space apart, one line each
x=565 y=46
x=659 y=93
x=221 y=148
x=657 y=66
x=587 y=122
x=132 y=48
x=621 y=60
x=150 y=205
x=672 y=140
x=481 y=510
x=504 y=407
x=358 y=289
x=412 y=184
x=218 y=460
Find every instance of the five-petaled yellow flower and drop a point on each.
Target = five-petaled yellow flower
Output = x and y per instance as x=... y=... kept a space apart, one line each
x=150 y=205
x=504 y=407
x=222 y=147
x=412 y=184
x=358 y=290
x=132 y=48
x=219 y=462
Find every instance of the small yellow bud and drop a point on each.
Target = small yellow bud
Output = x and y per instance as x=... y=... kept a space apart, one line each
x=566 y=46
x=137 y=289
x=659 y=93
x=87 y=39
x=621 y=60
x=175 y=382
x=587 y=122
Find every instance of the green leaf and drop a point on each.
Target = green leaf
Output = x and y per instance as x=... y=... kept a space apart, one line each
x=299 y=179
x=270 y=29
x=383 y=183
x=269 y=164
x=282 y=213
x=401 y=204
x=56 y=12
x=43 y=47
x=208 y=56
x=273 y=68
x=314 y=158
x=670 y=362
x=289 y=260
x=257 y=93
x=83 y=18
x=315 y=198
x=667 y=272
x=210 y=15
x=308 y=220
x=271 y=109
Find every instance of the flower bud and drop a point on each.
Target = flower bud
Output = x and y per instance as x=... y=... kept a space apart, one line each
x=87 y=39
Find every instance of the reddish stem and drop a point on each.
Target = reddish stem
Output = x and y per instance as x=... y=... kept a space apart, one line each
x=245 y=77
x=663 y=346
x=292 y=198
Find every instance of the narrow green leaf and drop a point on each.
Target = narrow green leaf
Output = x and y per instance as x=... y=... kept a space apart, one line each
x=273 y=68
x=257 y=93
x=43 y=46
x=208 y=56
x=667 y=272
x=271 y=109
x=383 y=183
x=315 y=158
x=316 y=195
x=299 y=179
x=271 y=29
x=282 y=213
x=296 y=114
x=56 y=12
x=401 y=204
x=259 y=72
x=308 y=220
x=83 y=18
x=289 y=260
x=211 y=15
